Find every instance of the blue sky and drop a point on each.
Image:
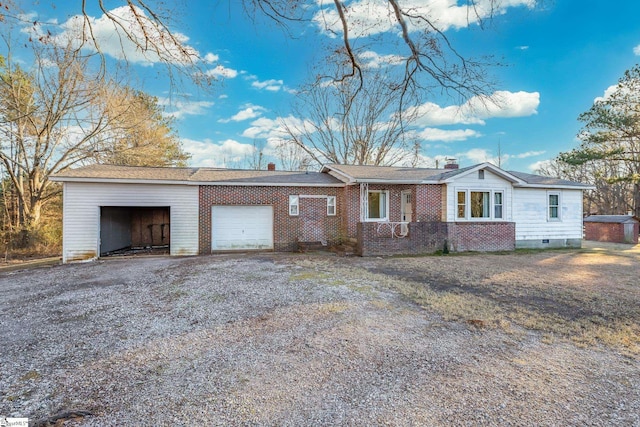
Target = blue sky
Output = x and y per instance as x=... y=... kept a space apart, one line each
x=559 y=56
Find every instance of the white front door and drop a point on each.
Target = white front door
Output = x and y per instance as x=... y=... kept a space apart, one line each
x=406 y=209
x=241 y=227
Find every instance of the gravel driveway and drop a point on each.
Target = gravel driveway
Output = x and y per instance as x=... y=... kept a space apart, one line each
x=274 y=339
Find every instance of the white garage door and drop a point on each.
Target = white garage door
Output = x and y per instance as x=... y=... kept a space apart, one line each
x=241 y=227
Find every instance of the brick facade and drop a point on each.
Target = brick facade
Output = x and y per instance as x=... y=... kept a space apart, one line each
x=429 y=237
x=481 y=236
x=311 y=223
x=427 y=234
x=430 y=202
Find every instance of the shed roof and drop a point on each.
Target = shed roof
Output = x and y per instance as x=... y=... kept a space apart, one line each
x=612 y=219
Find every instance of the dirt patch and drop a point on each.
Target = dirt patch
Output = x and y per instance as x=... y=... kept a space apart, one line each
x=316 y=339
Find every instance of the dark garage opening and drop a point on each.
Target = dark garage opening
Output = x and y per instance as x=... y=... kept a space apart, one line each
x=132 y=230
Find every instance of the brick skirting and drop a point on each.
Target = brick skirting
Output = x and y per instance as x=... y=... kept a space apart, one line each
x=429 y=237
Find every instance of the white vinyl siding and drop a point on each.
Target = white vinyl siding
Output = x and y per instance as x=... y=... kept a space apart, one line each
x=468 y=184
x=530 y=208
x=81 y=214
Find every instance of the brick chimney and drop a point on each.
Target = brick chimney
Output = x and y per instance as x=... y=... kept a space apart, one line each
x=271 y=166
x=451 y=164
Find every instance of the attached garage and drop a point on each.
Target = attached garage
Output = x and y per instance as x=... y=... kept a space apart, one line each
x=241 y=228
x=123 y=227
x=106 y=208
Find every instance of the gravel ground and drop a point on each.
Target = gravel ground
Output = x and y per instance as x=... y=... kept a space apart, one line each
x=282 y=339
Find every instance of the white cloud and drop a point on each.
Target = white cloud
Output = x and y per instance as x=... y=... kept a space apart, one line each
x=374 y=60
x=221 y=71
x=112 y=41
x=247 y=113
x=477 y=155
x=216 y=154
x=211 y=58
x=478 y=109
x=368 y=18
x=636 y=50
x=434 y=134
x=526 y=154
x=270 y=85
x=180 y=108
x=539 y=165
x=607 y=93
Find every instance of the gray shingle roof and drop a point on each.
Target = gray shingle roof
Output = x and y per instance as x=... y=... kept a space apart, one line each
x=387 y=173
x=615 y=219
x=195 y=175
x=546 y=180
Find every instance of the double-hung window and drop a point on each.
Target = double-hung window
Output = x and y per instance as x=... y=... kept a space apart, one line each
x=497 y=204
x=461 y=211
x=378 y=205
x=553 y=203
x=331 y=205
x=294 y=205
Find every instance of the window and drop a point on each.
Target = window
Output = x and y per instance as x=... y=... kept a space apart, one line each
x=481 y=174
x=331 y=205
x=497 y=205
x=480 y=204
x=377 y=205
x=462 y=204
x=294 y=203
x=554 y=206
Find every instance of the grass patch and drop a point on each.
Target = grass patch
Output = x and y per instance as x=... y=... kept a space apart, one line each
x=575 y=295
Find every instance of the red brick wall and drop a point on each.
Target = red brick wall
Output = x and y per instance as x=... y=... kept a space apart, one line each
x=352 y=194
x=429 y=202
x=607 y=232
x=429 y=237
x=423 y=237
x=287 y=230
x=482 y=236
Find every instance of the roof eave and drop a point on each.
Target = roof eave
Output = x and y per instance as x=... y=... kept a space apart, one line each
x=118 y=180
x=494 y=169
x=192 y=183
x=556 y=186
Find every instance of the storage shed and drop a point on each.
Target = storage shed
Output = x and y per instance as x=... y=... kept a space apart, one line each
x=612 y=228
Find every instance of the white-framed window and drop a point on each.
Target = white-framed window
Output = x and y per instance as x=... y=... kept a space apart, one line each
x=377 y=205
x=553 y=206
x=331 y=205
x=479 y=204
x=461 y=204
x=498 y=198
x=294 y=205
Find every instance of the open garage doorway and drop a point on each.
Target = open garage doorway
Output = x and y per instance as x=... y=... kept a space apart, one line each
x=134 y=230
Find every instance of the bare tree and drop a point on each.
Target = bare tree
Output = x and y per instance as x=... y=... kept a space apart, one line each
x=345 y=127
x=54 y=116
x=428 y=58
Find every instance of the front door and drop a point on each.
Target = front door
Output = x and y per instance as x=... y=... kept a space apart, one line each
x=405 y=208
